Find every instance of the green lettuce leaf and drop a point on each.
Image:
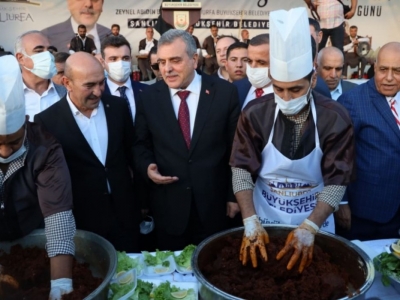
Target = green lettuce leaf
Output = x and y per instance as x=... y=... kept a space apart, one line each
x=184 y=259
x=158 y=259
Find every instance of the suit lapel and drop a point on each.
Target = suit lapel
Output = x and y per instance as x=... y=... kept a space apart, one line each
x=111 y=126
x=205 y=99
x=383 y=108
x=75 y=132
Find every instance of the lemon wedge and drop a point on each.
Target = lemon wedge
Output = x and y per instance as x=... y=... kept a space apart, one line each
x=159 y=270
x=125 y=279
x=396 y=247
x=179 y=294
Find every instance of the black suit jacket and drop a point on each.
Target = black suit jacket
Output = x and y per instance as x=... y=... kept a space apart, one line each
x=142 y=44
x=60 y=34
x=203 y=170
x=93 y=206
x=208 y=45
x=77 y=45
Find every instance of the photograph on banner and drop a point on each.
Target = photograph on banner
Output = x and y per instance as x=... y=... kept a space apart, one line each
x=59 y=19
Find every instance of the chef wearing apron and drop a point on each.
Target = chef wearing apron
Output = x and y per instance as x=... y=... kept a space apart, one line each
x=296 y=144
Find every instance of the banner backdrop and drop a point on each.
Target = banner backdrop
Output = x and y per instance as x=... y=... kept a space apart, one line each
x=375 y=18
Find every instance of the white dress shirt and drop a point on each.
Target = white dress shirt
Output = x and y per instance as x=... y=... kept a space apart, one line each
x=192 y=100
x=149 y=45
x=94 y=129
x=129 y=93
x=220 y=74
x=93 y=33
x=335 y=94
x=251 y=95
x=35 y=103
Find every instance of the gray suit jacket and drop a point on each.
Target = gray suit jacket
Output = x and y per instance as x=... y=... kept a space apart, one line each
x=60 y=34
x=346 y=85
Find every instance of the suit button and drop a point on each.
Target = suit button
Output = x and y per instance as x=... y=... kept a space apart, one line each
x=190 y=161
x=106 y=169
x=188 y=188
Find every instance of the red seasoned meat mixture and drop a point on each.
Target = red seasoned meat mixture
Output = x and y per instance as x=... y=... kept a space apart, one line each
x=271 y=280
x=30 y=267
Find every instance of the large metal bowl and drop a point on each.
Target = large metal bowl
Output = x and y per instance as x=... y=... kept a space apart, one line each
x=343 y=253
x=89 y=247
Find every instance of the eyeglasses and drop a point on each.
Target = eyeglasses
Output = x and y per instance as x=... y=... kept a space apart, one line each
x=155 y=67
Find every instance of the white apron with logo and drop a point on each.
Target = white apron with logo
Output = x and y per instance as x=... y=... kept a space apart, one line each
x=285 y=191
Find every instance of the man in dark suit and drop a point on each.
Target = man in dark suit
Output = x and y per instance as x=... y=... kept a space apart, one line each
x=330 y=67
x=209 y=47
x=82 y=12
x=145 y=46
x=81 y=42
x=371 y=208
x=184 y=132
x=351 y=58
x=117 y=60
x=245 y=36
x=96 y=133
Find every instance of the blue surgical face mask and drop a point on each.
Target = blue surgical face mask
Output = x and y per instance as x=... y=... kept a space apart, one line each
x=15 y=155
x=43 y=65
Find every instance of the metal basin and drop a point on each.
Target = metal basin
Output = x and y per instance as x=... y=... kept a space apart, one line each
x=343 y=253
x=89 y=247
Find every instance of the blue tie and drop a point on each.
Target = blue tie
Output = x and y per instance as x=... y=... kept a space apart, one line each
x=122 y=92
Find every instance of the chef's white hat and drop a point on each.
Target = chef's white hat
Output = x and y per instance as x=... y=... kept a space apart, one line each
x=12 y=100
x=290 y=45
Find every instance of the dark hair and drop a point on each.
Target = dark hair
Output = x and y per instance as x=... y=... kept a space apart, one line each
x=114 y=41
x=61 y=57
x=152 y=51
x=147 y=27
x=213 y=25
x=313 y=47
x=315 y=24
x=260 y=39
x=227 y=36
x=353 y=26
x=115 y=25
x=237 y=45
x=81 y=26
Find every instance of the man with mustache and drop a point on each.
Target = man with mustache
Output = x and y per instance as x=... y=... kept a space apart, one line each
x=96 y=133
x=85 y=12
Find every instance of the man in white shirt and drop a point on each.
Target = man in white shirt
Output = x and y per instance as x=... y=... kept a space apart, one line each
x=37 y=68
x=351 y=58
x=145 y=46
x=117 y=60
x=222 y=45
x=96 y=133
x=257 y=82
x=330 y=67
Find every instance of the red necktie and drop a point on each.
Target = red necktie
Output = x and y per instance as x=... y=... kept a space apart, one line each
x=394 y=111
x=259 y=92
x=184 y=117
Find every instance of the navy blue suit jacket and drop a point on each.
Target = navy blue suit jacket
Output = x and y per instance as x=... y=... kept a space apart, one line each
x=137 y=87
x=376 y=192
x=243 y=87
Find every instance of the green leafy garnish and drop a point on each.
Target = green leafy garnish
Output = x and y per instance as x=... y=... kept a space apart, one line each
x=120 y=290
x=161 y=256
x=143 y=290
x=184 y=259
x=164 y=290
x=388 y=265
x=166 y=263
x=126 y=263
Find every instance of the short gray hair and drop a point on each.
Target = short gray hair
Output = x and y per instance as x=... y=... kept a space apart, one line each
x=173 y=34
x=18 y=48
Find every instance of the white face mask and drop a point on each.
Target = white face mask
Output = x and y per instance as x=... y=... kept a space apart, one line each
x=292 y=106
x=119 y=70
x=43 y=65
x=15 y=155
x=258 y=77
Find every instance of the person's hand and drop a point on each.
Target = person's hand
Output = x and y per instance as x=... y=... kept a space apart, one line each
x=232 y=208
x=355 y=42
x=208 y=56
x=343 y=216
x=60 y=287
x=157 y=178
x=302 y=240
x=254 y=236
x=350 y=14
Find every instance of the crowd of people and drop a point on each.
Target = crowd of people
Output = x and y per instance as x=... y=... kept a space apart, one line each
x=262 y=130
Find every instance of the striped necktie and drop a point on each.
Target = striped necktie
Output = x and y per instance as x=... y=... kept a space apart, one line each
x=392 y=103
